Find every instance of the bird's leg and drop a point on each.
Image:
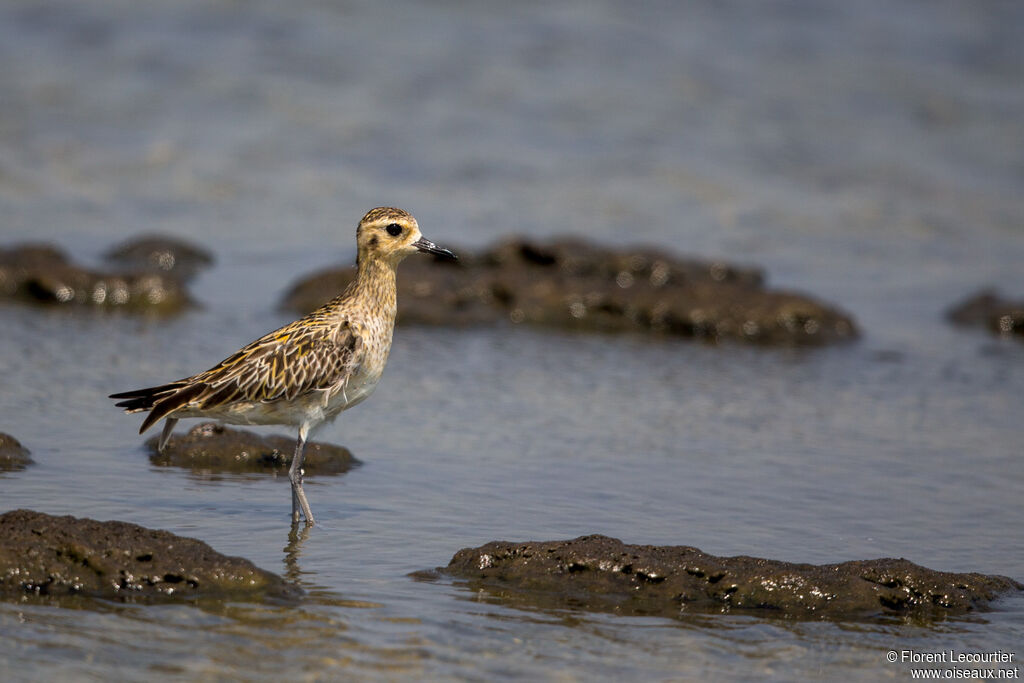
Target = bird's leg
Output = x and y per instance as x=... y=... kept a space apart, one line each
x=295 y=475
x=165 y=435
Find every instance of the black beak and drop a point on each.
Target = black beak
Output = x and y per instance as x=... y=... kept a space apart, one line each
x=428 y=247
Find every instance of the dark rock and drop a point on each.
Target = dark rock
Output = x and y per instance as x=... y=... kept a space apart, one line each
x=988 y=309
x=573 y=284
x=45 y=555
x=603 y=574
x=13 y=456
x=212 y=447
x=41 y=274
x=160 y=254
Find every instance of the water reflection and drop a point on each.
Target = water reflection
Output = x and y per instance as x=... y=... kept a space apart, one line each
x=293 y=551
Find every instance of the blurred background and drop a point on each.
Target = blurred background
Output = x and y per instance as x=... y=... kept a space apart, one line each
x=869 y=153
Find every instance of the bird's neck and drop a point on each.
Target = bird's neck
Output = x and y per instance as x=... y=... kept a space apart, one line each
x=375 y=285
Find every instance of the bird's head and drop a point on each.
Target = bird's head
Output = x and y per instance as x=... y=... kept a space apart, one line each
x=390 y=234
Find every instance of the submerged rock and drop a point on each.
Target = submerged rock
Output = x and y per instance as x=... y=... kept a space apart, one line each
x=988 y=309
x=45 y=555
x=42 y=274
x=212 y=447
x=574 y=284
x=160 y=254
x=604 y=574
x=13 y=456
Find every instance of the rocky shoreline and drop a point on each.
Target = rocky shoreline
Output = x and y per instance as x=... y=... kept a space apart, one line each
x=213 y=447
x=13 y=456
x=604 y=574
x=993 y=312
x=46 y=555
x=144 y=275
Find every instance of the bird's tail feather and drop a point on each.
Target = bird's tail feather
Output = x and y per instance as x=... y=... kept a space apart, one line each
x=159 y=401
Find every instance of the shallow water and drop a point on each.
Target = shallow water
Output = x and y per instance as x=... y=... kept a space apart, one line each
x=869 y=153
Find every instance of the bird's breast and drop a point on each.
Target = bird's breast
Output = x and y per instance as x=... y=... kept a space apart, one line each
x=354 y=391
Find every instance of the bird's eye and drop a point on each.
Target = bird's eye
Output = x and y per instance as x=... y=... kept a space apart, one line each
x=394 y=229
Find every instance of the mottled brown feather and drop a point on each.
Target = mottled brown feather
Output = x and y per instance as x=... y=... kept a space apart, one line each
x=313 y=353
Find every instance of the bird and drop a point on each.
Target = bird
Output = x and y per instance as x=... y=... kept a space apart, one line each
x=308 y=371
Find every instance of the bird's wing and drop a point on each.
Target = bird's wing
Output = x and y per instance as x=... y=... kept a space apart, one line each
x=289 y=362
x=283 y=365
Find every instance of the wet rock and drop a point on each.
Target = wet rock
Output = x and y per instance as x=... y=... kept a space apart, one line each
x=212 y=447
x=157 y=253
x=45 y=555
x=604 y=574
x=42 y=274
x=574 y=284
x=988 y=309
x=13 y=456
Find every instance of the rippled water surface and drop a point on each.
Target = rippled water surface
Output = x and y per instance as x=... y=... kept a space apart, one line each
x=869 y=153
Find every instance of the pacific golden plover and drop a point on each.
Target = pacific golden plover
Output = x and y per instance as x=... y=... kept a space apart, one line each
x=310 y=370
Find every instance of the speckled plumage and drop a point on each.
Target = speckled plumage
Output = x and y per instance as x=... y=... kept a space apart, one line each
x=307 y=371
